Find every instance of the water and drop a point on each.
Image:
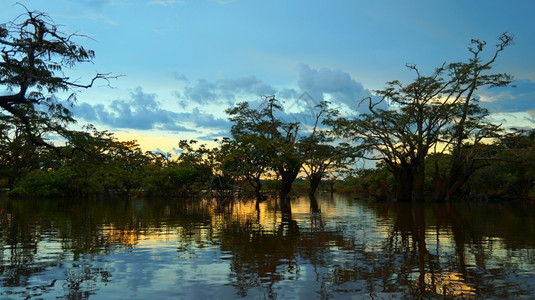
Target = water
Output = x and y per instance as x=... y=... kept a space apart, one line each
x=343 y=249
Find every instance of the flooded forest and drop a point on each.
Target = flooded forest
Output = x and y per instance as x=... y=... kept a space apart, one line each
x=281 y=206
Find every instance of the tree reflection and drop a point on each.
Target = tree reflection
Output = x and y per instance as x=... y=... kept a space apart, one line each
x=40 y=235
x=431 y=252
x=329 y=247
x=314 y=206
x=263 y=257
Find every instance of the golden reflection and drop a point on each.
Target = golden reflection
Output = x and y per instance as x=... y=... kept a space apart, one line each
x=121 y=236
x=265 y=216
x=448 y=285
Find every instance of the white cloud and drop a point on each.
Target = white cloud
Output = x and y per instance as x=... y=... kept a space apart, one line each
x=336 y=83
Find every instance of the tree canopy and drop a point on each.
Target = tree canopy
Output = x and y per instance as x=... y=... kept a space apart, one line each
x=35 y=55
x=433 y=114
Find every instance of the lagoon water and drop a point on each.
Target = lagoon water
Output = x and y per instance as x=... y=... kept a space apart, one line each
x=338 y=248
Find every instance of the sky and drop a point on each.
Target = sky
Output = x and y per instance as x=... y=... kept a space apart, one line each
x=183 y=62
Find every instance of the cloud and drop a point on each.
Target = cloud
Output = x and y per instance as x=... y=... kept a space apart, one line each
x=216 y=135
x=248 y=85
x=203 y=92
x=289 y=94
x=336 y=83
x=226 y=90
x=520 y=98
x=180 y=77
x=204 y=120
x=313 y=86
x=142 y=111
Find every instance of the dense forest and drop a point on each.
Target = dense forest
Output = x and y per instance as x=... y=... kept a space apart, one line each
x=430 y=139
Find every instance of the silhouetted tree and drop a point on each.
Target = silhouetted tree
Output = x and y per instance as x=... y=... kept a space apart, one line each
x=432 y=114
x=34 y=55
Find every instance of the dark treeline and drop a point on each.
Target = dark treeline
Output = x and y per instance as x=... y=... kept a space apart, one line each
x=430 y=138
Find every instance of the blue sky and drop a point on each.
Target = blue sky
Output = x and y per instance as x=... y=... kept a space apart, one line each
x=185 y=62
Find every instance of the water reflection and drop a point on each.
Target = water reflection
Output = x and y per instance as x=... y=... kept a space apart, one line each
x=322 y=248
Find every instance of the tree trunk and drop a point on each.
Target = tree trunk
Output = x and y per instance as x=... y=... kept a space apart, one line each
x=332 y=188
x=287 y=179
x=314 y=183
x=461 y=169
x=403 y=184
x=439 y=192
x=419 y=184
x=314 y=206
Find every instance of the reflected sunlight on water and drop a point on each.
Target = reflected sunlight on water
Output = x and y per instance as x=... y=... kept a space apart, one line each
x=337 y=247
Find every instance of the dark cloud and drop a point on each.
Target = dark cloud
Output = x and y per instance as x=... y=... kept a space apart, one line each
x=517 y=98
x=142 y=111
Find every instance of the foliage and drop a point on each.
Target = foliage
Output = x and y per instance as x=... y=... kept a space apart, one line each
x=105 y=164
x=34 y=56
x=245 y=158
x=512 y=175
x=322 y=157
x=376 y=182
x=188 y=175
x=277 y=138
x=263 y=144
x=433 y=114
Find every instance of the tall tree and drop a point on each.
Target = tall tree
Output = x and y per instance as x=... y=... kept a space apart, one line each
x=469 y=129
x=34 y=55
x=437 y=113
x=280 y=137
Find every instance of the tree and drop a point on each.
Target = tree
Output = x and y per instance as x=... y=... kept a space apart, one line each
x=105 y=164
x=245 y=158
x=280 y=138
x=511 y=174
x=438 y=114
x=34 y=55
x=189 y=174
x=323 y=156
x=280 y=146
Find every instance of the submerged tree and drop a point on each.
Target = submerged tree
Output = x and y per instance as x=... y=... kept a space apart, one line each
x=34 y=55
x=433 y=114
x=245 y=158
x=269 y=144
x=323 y=157
x=280 y=137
